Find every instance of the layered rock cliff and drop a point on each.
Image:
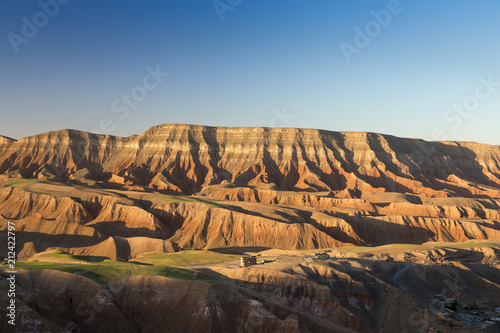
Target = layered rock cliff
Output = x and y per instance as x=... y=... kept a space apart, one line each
x=243 y=188
x=184 y=159
x=57 y=155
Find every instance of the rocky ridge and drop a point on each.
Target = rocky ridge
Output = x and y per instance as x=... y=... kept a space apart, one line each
x=184 y=159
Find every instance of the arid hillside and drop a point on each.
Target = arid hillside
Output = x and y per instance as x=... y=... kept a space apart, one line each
x=387 y=289
x=194 y=187
x=184 y=159
x=100 y=213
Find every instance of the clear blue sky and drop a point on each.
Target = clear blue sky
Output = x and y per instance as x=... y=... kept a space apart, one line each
x=265 y=57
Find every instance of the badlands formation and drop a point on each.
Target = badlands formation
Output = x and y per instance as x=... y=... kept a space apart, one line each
x=276 y=192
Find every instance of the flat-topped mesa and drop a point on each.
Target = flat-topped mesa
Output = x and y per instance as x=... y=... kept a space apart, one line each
x=55 y=155
x=179 y=158
x=6 y=140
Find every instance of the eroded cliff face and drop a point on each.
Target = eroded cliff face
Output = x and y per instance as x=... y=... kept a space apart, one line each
x=5 y=142
x=179 y=187
x=57 y=155
x=122 y=225
x=186 y=158
x=244 y=188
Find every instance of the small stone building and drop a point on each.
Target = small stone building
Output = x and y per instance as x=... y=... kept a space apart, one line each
x=322 y=255
x=248 y=261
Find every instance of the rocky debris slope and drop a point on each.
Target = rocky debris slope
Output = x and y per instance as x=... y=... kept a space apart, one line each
x=359 y=291
x=123 y=224
x=351 y=292
x=52 y=301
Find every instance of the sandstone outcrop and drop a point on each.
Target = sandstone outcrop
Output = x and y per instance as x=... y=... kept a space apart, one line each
x=184 y=159
x=199 y=187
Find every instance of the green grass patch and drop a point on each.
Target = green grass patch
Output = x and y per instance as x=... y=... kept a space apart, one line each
x=404 y=247
x=24 y=264
x=189 y=257
x=388 y=248
x=173 y=198
x=174 y=273
x=24 y=181
x=410 y=247
x=110 y=271
x=66 y=257
x=181 y=198
x=356 y=248
x=209 y=203
x=107 y=274
x=467 y=245
x=60 y=256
